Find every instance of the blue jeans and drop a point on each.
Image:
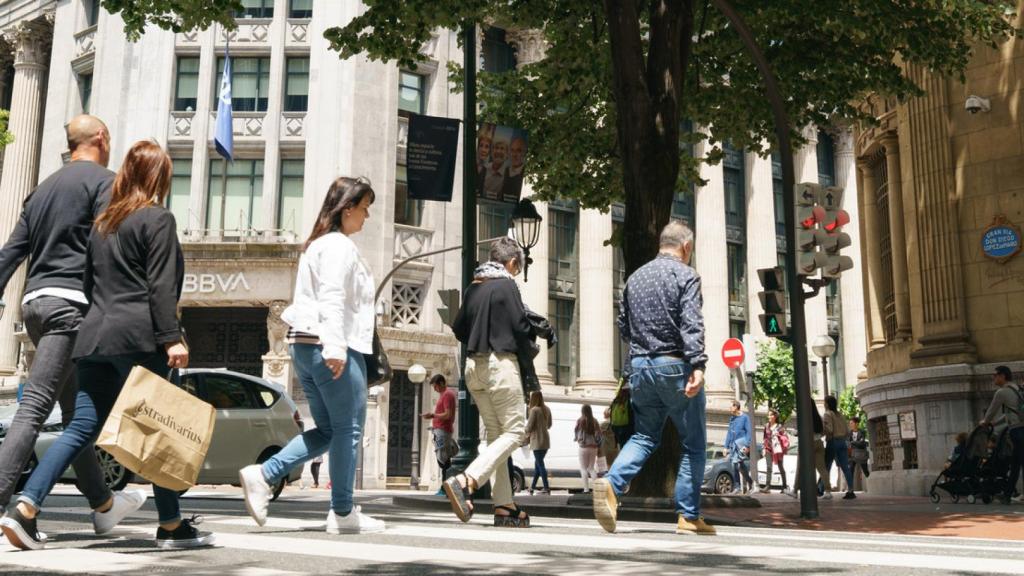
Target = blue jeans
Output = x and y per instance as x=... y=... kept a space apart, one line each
x=338 y=407
x=540 y=471
x=836 y=451
x=100 y=381
x=657 y=385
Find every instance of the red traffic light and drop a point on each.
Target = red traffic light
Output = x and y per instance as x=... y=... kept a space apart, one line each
x=808 y=218
x=841 y=218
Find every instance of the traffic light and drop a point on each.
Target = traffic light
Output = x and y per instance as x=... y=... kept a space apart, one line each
x=833 y=239
x=773 y=300
x=449 y=307
x=808 y=215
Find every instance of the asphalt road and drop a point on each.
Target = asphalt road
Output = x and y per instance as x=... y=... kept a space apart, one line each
x=293 y=542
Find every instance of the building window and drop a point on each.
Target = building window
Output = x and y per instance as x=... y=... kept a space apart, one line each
x=780 y=203
x=888 y=303
x=244 y=197
x=735 y=188
x=250 y=83
x=909 y=454
x=684 y=208
x=92 y=12
x=300 y=9
x=186 y=90
x=826 y=151
x=737 y=262
x=408 y=211
x=296 y=91
x=406 y=304
x=289 y=209
x=411 y=93
x=85 y=91
x=256 y=9
x=498 y=55
x=561 y=363
x=181 y=191
x=881 y=446
x=562 y=256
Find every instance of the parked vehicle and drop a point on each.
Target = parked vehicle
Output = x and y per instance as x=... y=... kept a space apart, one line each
x=719 y=476
x=255 y=419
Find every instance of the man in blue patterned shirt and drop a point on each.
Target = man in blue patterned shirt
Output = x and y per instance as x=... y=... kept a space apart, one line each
x=661 y=318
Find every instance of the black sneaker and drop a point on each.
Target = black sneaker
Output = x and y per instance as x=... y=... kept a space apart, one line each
x=21 y=531
x=184 y=536
x=849 y=495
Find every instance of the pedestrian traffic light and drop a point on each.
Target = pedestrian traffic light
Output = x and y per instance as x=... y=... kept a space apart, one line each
x=449 y=307
x=773 y=300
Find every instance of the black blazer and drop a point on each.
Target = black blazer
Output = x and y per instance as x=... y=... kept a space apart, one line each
x=134 y=291
x=493 y=319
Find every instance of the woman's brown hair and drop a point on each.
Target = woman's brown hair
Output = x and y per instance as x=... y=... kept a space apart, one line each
x=143 y=180
x=344 y=193
x=587 y=421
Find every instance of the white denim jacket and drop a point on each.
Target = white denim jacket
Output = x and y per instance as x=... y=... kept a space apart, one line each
x=334 y=297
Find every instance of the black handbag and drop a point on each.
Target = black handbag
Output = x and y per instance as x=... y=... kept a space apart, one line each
x=378 y=368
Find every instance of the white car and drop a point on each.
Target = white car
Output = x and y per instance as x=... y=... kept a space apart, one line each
x=255 y=419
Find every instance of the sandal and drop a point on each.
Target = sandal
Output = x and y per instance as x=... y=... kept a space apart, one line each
x=516 y=517
x=460 y=497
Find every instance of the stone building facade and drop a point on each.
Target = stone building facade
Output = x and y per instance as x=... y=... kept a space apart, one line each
x=935 y=178
x=302 y=116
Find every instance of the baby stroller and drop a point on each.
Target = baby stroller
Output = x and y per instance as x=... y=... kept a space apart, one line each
x=976 y=471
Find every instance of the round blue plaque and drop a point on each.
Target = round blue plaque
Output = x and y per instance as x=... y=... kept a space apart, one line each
x=1001 y=241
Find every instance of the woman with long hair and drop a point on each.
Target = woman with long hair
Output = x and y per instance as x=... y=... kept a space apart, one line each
x=588 y=435
x=775 y=445
x=332 y=323
x=538 y=423
x=133 y=278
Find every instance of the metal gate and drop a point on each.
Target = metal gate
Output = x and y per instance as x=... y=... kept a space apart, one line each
x=232 y=338
x=401 y=418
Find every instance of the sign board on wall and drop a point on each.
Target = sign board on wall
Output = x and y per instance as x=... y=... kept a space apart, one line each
x=218 y=284
x=908 y=426
x=1001 y=241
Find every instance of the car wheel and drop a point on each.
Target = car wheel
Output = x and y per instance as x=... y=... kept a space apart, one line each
x=115 y=475
x=518 y=480
x=723 y=483
x=30 y=467
x=266 y=455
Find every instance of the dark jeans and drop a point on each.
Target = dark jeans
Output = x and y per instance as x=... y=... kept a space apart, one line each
x=101 y=378
x=836 y=450
x=539 y=469
x=1017 y=460
x=52 y=325
x=314 y=469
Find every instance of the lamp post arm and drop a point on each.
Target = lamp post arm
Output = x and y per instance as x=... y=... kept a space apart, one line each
x=384 y=281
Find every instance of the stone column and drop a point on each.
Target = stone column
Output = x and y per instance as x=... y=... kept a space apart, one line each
x=872 y=252
x=898 y=236
x=710 y=255
x=535 y=292
x=597 y=336
x=762 y=251
x=31 y=42
x=6 y=58
x=852 y=286
x=272 y=121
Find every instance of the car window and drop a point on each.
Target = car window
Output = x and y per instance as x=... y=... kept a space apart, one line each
x=190 y=384
x=225 y=392
x=265 y=397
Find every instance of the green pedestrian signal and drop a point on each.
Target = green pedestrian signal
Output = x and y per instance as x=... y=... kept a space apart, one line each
x=773 y=301
x=772 y=327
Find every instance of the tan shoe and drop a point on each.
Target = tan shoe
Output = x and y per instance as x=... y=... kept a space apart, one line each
x=606 y=505
x=698 y=526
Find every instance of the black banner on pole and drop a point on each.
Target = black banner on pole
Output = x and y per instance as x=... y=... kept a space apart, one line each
x=430 y=157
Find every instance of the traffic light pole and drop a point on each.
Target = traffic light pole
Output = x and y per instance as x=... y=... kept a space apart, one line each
x=798 y=332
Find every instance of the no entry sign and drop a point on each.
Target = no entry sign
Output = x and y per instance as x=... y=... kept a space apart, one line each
x=732 y=353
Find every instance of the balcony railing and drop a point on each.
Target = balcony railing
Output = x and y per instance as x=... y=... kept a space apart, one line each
x=411 y=241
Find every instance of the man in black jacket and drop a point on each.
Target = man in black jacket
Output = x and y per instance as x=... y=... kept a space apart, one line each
x=53 y=233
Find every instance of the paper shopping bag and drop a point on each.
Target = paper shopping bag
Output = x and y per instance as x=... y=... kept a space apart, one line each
x=158 y=430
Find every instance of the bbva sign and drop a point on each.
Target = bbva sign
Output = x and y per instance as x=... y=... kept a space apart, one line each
x=209 y=283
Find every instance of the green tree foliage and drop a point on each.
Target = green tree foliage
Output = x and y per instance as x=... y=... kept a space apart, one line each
x=176 y=15
x=5 y=136
x=849 y=406
x=775 y=381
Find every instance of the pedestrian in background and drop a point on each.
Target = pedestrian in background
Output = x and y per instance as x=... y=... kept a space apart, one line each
x=858 y=442
x=836 y=448
x=538 y=422
x=314 y=470
x=442 y=424
x=53 y=233
x=332 y=324
x=133 y=278
x=775 y=445
x=1006 y=409
x=619 y=414
x=587 y=435
x=661 y=318
x=818 y=428
x=737 y=446
x=492 y=324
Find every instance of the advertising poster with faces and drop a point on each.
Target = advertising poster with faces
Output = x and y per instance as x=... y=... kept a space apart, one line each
x=500 y=162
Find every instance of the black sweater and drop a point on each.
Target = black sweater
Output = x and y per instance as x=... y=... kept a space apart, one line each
x=492 y=318
x=134 y=290
x=54 y=226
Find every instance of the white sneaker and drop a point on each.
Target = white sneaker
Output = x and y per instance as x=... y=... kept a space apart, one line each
x=256 y=492
x=827 y=496
x=355 y=523
x=125 y=502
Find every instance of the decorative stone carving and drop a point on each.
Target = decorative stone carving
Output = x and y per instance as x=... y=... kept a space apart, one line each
x=277 y=329
x=298 y=32
x=181 y=124
x=411 y=241
x=31 y=42
x=189 y=37
x=247 y=33
x=429 y=48
x=85 y=42
x=529 y=44
x=293 y=125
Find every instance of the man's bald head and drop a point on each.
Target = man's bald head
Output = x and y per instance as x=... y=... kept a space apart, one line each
x=88 y=139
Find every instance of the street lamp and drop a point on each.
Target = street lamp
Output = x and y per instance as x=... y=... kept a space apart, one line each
x=824 y=347
x=526 y=229
x=416 y=374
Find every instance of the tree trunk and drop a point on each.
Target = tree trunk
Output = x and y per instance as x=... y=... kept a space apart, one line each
x=647 y=105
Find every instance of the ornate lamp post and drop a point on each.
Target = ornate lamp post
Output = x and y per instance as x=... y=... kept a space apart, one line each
x=824 y=347
x=416 y=374
x=526 y=222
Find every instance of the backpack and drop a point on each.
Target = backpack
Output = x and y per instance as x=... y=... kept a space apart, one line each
x=1020 y=401
x=620 y=414
x=784 y=440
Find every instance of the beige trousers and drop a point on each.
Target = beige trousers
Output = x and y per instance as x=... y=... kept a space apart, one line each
x=819 y=465
x=493 y=381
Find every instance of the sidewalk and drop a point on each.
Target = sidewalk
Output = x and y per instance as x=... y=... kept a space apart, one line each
x=867 y=513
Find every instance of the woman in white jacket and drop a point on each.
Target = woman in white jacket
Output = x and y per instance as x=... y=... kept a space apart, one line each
x=331 y=319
